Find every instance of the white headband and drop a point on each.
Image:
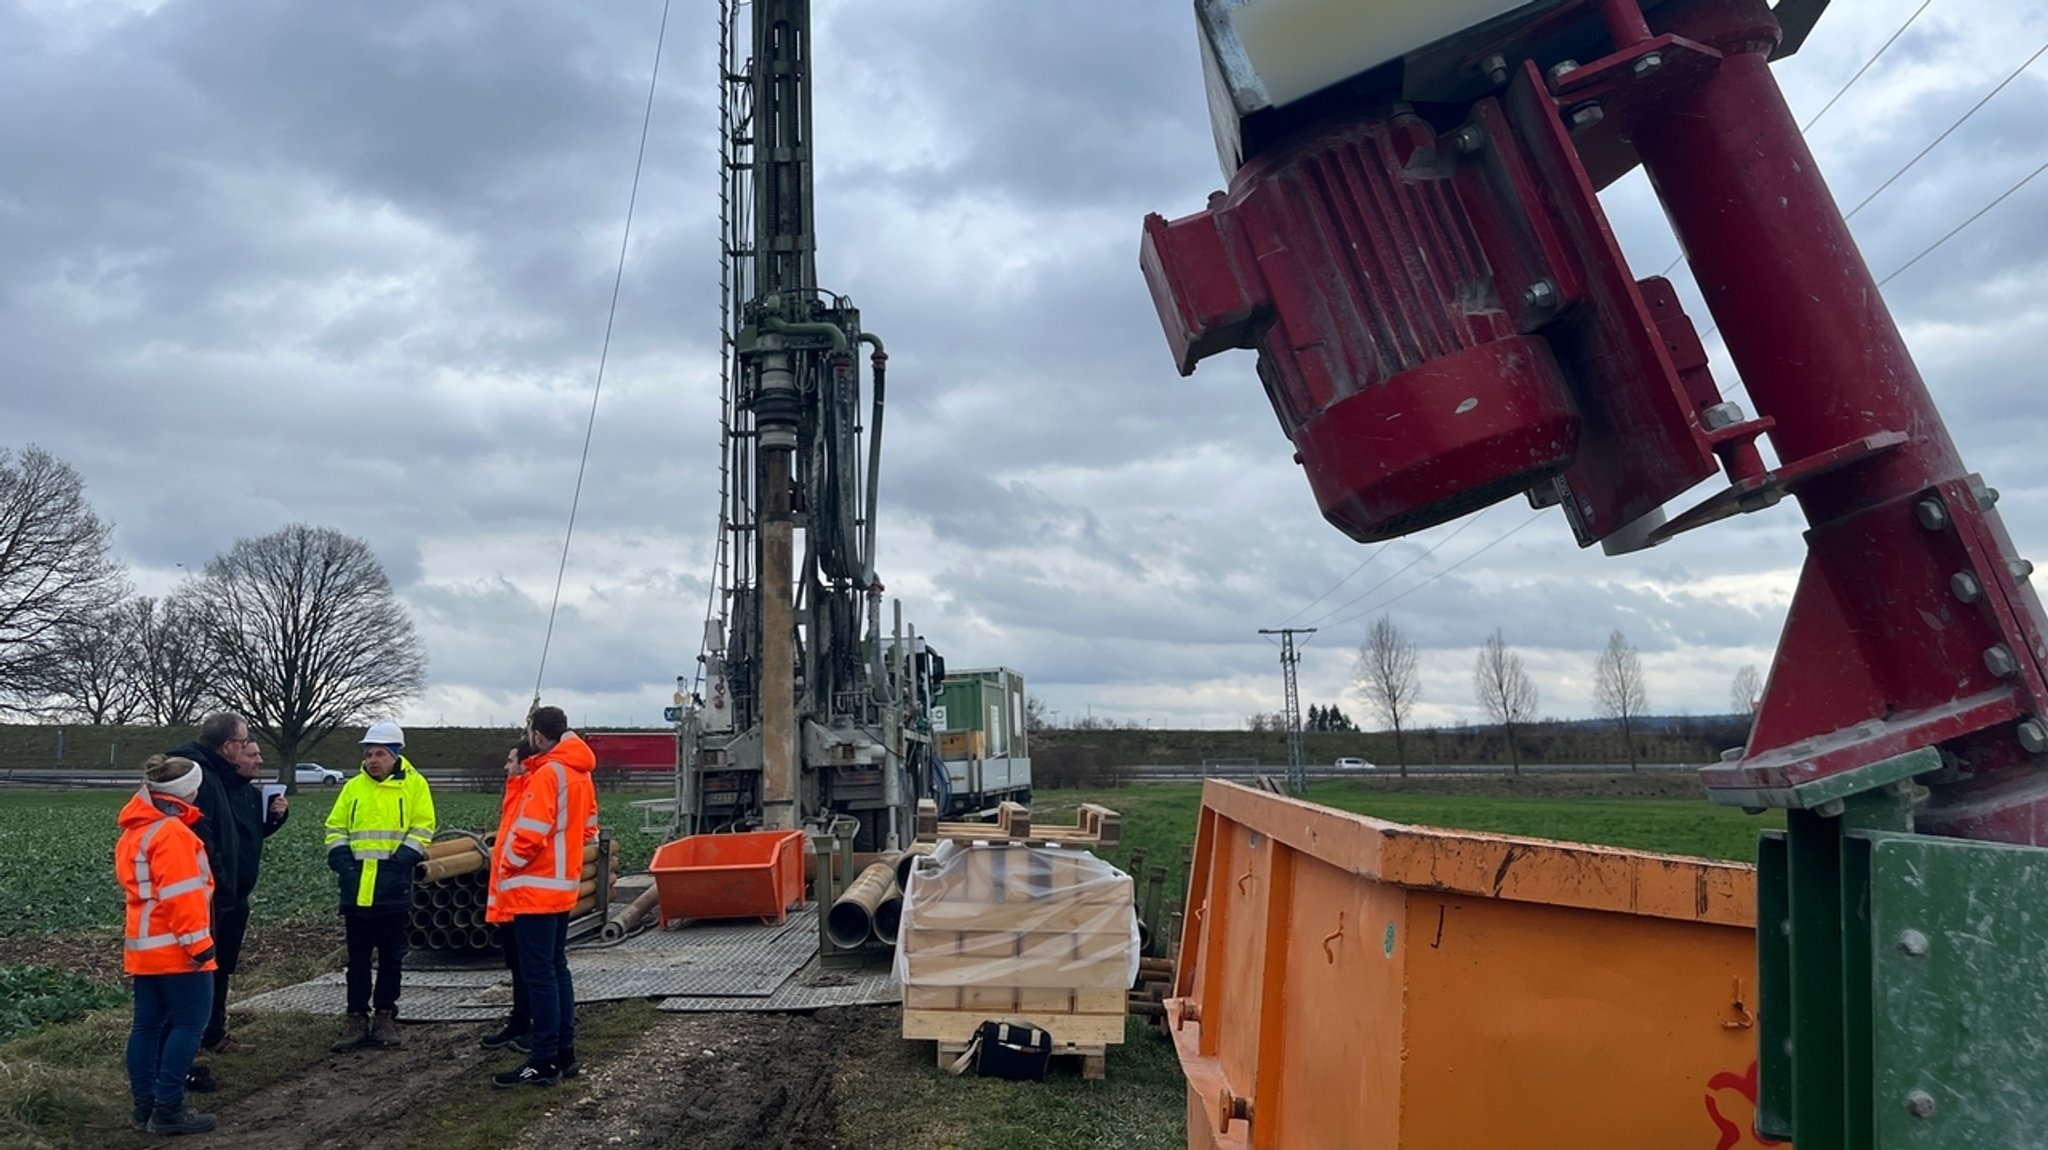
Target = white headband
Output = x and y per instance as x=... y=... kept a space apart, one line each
x=185 y=786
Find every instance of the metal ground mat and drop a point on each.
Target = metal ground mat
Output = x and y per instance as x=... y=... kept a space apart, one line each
x=811 y=988
x=718 y=960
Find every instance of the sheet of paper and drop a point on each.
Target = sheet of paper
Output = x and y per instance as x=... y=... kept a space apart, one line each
x=271 y=791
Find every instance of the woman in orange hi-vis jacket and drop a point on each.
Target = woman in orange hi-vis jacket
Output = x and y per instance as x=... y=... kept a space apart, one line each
x=168 y=882
x=536 y=866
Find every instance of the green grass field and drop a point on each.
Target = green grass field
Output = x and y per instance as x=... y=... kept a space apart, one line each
x=56 y=882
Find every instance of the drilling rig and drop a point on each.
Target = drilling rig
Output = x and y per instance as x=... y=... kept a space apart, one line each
x=805 y=711
x=1412 y=241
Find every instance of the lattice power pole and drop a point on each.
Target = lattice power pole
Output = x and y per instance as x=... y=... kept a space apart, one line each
x=1297 y=769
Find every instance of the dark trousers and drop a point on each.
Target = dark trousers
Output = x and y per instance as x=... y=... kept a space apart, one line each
x=229 y=927
x=522 y=999
x=382 y=933
x=170 y=1013
x=543 y=944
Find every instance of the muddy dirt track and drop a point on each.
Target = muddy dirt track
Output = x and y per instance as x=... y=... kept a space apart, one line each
x=702 y=1081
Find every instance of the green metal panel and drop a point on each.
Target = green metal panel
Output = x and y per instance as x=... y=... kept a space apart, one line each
x=1774 y=987
x=963 y=703
x=1959 y=963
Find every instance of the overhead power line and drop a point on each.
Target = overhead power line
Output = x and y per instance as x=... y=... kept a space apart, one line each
x=1946 y=132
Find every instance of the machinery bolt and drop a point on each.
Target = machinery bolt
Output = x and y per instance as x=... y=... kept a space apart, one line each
x=2021 y=569
x=1647 y=65
x=1966 y=587
x=1496 y=68
x=1987 y=498
x=1912 y=943
x=1999 y=661
x=1470 y=139
x=1721 y=415
x=2033 y=736
x=1561 y=69
x=1586 y=115
x=1933 y=515
x=1832 y=809
x=1541 y=295
x=1920 y=1104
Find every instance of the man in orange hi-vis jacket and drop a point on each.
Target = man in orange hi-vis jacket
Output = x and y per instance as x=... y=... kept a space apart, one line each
x=536 y=867
x=168 y=883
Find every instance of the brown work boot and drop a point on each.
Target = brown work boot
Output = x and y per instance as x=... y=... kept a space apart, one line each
x=354 y=1033
x=384 y=1032
x=228 y=1044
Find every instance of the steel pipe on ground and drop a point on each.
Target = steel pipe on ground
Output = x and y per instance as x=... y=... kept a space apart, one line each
x=629 y=917
x=888 y=916
x=908 y=859
x=852 y=916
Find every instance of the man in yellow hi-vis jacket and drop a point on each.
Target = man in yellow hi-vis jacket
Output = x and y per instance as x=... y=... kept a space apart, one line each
x=377 y=832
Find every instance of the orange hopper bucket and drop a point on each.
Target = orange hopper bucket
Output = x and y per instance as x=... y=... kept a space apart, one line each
x=755 y=874
x=1349 y=983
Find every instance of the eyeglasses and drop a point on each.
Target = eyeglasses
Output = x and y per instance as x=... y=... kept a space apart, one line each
x=244 y=739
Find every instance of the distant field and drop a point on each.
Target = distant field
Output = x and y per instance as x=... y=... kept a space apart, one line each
x=1160 y=819
x=57 y=850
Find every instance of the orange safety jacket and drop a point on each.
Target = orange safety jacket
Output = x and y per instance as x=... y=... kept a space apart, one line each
x=537 y=859
x=169 y=887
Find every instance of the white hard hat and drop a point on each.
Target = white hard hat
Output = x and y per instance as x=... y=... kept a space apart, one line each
x=384 y=732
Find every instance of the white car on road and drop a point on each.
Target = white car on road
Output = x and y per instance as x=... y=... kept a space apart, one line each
x=315 y=773
x=1355 y=764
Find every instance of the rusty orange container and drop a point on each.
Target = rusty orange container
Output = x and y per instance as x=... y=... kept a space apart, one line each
x=1351 y=984
x=753 y=874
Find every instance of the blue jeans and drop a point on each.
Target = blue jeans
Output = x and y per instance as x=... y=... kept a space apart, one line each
x=543 y=944
x=170 y=1013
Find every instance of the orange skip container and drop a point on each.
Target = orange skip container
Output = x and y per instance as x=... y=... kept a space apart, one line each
x=753 y=874
x=1349 y=983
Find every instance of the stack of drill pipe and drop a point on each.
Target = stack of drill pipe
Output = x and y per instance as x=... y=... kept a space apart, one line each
x=451 y=895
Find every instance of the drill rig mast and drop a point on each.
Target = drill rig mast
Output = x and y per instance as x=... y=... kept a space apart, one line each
x=801 y=716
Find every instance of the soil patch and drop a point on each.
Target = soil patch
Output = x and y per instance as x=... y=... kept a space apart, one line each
x=718 y=1082
x=286 y=948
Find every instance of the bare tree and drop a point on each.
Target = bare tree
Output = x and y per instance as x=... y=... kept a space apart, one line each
x=1746 y=691
x=55 y=572
x=1619 y=689
x=1505 y=690
x=308 y=636
x=1385 y=674
x=176 y=662
x=1034 y=713
x=94 y=671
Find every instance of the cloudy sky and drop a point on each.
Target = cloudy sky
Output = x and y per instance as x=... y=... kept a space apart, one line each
x=349 y=264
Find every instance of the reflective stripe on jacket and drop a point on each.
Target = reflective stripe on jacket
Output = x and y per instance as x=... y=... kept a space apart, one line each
x=376 y=833
x=537 y=861
x=168 y=882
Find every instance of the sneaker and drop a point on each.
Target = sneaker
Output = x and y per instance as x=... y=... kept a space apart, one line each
x=354 y=1033
x=199 y=1080
x=139 y=1119
x=507 y=1035
x=566 y=1065
x=527 y=1074
x=523 y=1044
x=384 y=1032
x=165 y=1120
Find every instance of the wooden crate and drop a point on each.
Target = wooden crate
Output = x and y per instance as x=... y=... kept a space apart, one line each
x=1033 y=933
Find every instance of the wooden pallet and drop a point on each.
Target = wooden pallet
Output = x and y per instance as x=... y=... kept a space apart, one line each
x=1094 y=1058
x=1094 y=826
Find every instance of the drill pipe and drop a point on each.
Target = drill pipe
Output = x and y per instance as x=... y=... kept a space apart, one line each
x=908 y=859
x=852 y=916
x=628 y=918
x=888 y=916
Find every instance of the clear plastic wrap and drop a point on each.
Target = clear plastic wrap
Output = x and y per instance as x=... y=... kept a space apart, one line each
x=1031 y=931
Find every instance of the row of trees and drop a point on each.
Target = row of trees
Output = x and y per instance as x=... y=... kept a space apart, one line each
x=298 y=630
x=1386 y=674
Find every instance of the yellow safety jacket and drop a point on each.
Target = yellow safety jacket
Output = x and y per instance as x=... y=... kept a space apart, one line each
x=376 y=833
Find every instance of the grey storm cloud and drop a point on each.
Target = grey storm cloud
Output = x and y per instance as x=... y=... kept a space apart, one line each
x=350 y=265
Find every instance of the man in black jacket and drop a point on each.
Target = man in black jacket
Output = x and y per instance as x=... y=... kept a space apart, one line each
x=233 y=824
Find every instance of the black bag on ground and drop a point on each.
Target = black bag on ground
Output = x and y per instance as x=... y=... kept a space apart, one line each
x=1012 y=1050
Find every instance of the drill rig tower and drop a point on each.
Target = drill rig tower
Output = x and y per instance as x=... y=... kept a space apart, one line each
x=802 y=712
